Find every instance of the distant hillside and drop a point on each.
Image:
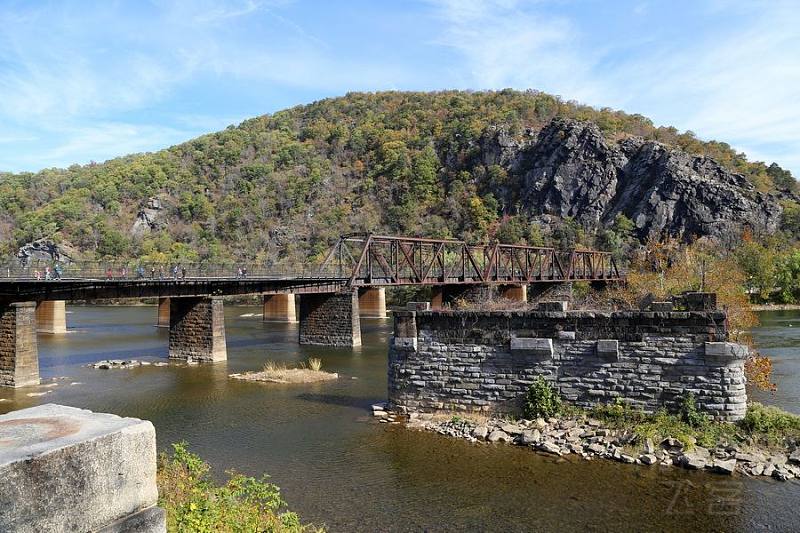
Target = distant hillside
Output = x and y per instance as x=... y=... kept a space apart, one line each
x=518 y=166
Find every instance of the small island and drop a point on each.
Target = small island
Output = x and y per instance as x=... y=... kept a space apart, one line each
x=305 y=372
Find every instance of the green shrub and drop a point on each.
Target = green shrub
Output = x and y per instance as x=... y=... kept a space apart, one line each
x=770 y=422
x=541 y=400
x=195 y=504
x=689 y=413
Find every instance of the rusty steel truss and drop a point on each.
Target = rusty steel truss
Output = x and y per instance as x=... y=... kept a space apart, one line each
x=375 y=260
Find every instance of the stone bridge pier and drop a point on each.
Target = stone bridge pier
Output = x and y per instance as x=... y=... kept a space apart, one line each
x=19 y=350
x=372 y=302
x=279 y=308
x=197 y=329
x=51 y=316
x=330 y=319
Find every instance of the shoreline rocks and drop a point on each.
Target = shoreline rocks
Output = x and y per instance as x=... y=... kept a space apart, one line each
x=589 y=439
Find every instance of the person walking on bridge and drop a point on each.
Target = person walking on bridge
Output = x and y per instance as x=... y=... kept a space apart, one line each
x=175 y=272
x=183 y=272
x=58 y=271
x=160 y=271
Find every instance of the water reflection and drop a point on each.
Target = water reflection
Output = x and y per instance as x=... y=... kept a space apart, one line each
x=338 y=467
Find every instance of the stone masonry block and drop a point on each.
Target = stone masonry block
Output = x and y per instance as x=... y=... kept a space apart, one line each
x=534 y=346
x=68 y=469
x=608 y=349
x=725 y=351
x=558 y=305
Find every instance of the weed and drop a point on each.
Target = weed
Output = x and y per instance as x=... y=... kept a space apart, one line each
x=541 y=400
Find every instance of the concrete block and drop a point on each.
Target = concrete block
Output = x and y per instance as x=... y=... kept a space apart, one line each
x=608 y=349
x=566 y=335
x=725 y=351
x=68 y=469
x=534 y=346
x=418 y=306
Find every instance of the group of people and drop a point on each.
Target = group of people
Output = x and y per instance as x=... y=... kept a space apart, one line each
x=54 y=273
x=175 y=272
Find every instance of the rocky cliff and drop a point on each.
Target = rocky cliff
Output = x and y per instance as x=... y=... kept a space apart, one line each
x=571 y=170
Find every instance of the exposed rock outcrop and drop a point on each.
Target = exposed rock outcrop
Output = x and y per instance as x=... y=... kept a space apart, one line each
x=47 y=251
x=148 y=218
x=571 y=170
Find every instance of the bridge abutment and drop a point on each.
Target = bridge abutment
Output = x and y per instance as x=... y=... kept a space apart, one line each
x=197 y=329
x=330 y=319
x=279 y=308
x=372 y=302
x=162 y=321
x=19 y=350
x=51 y=316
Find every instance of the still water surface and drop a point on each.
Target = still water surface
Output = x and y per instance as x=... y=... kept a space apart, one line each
x=340 y=468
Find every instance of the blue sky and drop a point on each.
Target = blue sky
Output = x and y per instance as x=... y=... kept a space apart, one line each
x=83 y=81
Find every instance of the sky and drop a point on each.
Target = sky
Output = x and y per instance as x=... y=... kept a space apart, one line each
x=88 y=81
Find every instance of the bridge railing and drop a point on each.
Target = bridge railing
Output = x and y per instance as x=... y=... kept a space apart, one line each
x=133 y=270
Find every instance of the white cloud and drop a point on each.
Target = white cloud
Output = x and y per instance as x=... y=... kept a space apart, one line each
x=734 y=83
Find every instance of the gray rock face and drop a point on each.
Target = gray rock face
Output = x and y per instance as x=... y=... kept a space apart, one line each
x=572 y=171
x=46 y=250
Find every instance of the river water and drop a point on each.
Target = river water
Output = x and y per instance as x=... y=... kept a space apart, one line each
x=338 y=467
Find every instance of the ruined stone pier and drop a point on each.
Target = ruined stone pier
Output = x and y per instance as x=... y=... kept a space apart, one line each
x=19 y=352
x=486 y=360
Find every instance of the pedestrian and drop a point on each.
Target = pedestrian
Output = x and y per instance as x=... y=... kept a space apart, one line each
x=239 y=273
x=109 y=274
x=152 y=272
x=160 y=271
x=58 y=271
x=47 y=275
x=140 y=272
x=183 y=272
x=244 y=271
x=123 y=272
x=38 y=274
x=175 y=272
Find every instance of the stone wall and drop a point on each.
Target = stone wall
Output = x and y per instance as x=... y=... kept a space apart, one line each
x=19 y=353
x=485 y=361
x=330 y=319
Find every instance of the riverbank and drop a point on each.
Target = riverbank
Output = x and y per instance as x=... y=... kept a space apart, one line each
x=775 y=307
x=766 y=444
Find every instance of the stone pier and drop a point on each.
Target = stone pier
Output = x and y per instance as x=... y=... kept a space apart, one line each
x=19 y=352
x=279 y=308
x=372 y=302
x=517 y=293
x=51 y=316
x=68 y=469
x=330 y=319
x=443 y=296
x=197 y=329
x=163 y=313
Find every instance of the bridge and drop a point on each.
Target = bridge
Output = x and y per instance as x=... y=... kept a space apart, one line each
x=349 y=282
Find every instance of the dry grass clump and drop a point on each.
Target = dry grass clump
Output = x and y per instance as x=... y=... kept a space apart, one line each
x=279 y=372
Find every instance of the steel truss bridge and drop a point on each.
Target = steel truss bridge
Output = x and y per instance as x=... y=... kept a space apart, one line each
x=356 y=260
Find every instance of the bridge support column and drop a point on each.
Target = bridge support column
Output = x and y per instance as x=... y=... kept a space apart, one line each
x=561 y=291
x=162 y=320
x=197 y=329
x=446 y=295
x=19 y=351
x=517 y=293
x=330 y=319
x=51 y=316
x=279 y=308
x=372 y=302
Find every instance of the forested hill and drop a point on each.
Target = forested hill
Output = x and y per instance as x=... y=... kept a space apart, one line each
x=517 y=166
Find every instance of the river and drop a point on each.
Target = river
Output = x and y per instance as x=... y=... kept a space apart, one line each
x=338 y=467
